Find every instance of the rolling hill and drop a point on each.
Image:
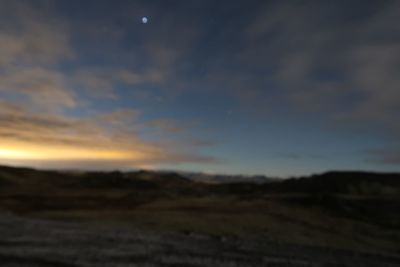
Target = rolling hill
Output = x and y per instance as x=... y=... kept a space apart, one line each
x=347 y=210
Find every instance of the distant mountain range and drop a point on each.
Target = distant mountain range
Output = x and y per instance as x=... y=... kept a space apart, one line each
x=330 y=183
x=224 y=178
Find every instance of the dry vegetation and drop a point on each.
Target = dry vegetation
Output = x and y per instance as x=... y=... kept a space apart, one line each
x=338 y=217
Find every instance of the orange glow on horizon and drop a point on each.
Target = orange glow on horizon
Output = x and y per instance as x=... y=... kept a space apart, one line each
x=66 y=153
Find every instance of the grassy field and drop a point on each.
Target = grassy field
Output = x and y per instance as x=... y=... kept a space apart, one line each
x=360 y=217
x=271 y=218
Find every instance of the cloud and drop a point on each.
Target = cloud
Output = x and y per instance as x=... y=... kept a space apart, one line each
x=39 y=94
x=167 y=125
x=43 y=88
x=302 y=156
x=384 y=156
x=323 y=62
x=28 y=136
x=304 y=59
x=30 y=35
x=320 y=61
x=313 y=57
x=102 y=81
x=32 y=42
x=35 y=41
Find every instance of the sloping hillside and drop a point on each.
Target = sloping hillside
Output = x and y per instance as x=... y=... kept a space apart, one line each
x=353 y=211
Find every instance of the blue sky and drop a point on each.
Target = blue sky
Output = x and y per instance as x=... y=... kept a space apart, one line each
x=253 y=87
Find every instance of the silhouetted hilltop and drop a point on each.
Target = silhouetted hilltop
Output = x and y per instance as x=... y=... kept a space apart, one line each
x=364 y=183
x=336 y=182
x=225 y=178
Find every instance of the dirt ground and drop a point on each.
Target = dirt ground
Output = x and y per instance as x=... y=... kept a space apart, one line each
x=38 y=242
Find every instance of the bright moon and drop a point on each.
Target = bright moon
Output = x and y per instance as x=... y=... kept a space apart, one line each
x=144 y=20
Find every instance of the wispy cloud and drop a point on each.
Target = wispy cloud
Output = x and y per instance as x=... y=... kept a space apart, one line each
x=62 y=80
x=43 y=88
x=387 y=156
x=32 y=35
x=315 y=59
x=320 y=61
x=31 y=136
x=39 y=95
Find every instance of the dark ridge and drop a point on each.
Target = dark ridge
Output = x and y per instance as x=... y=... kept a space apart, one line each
x=334 y=182
x=112 y=180
x=341 y=183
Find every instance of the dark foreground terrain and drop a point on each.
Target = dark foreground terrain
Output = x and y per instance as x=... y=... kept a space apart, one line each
x=34 y=242
x=164 y=219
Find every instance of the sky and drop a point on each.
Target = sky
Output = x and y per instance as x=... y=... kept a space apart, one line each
x=278 y=88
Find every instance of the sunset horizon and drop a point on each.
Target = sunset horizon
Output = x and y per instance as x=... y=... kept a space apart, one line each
x=199 y=133
x=259 y=88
